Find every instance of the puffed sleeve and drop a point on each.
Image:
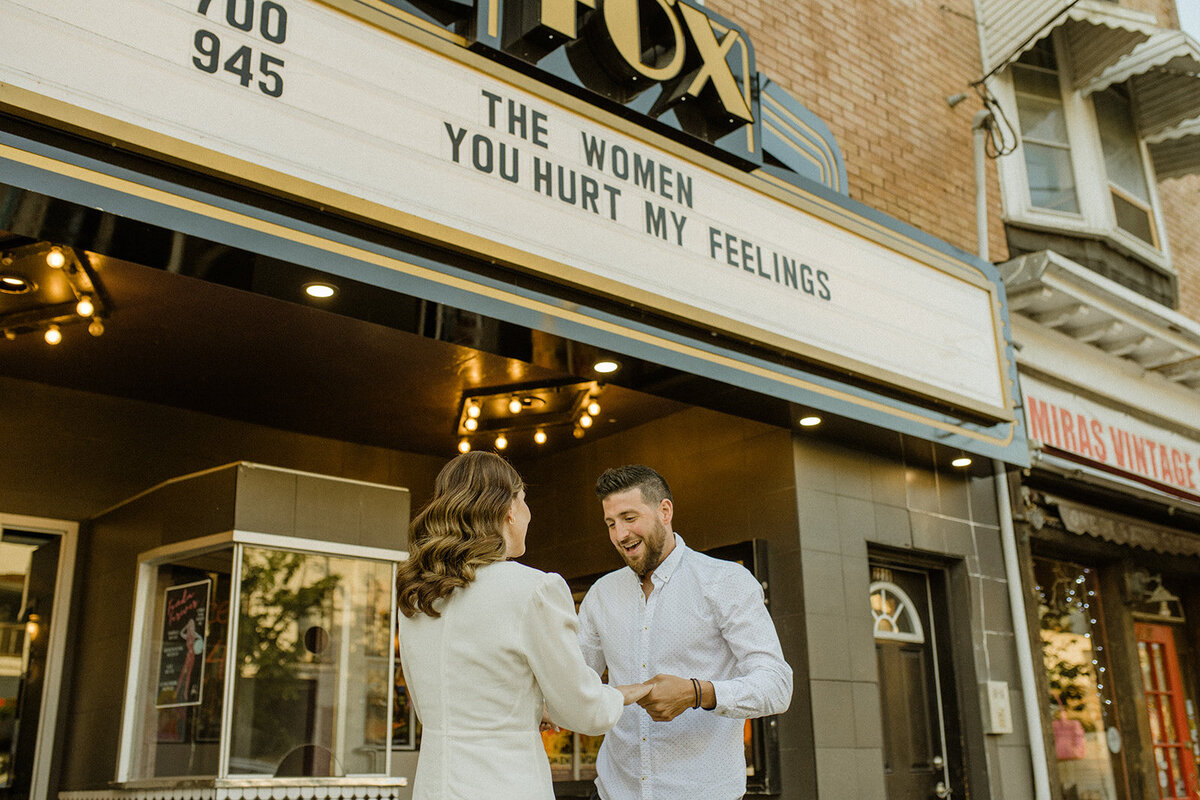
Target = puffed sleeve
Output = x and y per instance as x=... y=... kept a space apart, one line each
x=575 y=696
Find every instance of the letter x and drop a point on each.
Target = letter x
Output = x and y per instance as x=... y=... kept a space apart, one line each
x=713 y=53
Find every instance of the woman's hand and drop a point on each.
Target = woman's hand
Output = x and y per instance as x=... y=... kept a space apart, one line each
x=632 y=692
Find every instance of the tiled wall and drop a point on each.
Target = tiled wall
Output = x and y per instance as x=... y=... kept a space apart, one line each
x=898 y=498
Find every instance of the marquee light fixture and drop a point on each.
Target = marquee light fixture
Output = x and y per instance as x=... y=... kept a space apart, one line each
x=45 y=287
x=320 y=290
x=507 y=415
x=606 y=366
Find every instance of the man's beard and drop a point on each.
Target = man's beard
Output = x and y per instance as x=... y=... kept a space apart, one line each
x=652 y=550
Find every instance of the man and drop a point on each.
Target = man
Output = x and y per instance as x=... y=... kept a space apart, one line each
x=696 y=629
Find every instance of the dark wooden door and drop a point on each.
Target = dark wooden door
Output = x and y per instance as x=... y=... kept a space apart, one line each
x=910 y=686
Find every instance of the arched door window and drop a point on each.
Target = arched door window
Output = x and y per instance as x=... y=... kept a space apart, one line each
x=895 y=616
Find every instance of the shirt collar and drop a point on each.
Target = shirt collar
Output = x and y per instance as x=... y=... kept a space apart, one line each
x=663 y=572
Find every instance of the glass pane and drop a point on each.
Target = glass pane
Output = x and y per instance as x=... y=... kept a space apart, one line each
x=1134 y=219
x=1036 y=82
x=1144 y=660
x=1154 y=714
x=1122 y=157
x=1156 y=662
x=1051 y=181
x=182 y=681
x=312 y=664
x=1071 y=658
x=1042 y=120
x=1177 y=783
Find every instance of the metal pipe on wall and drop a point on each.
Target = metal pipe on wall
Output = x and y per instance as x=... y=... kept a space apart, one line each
x=1008 y=540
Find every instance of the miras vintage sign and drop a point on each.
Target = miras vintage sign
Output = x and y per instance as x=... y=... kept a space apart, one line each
x=679 y=65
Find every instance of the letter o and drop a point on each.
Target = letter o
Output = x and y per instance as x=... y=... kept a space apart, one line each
x=481 y=153
x=623 y=21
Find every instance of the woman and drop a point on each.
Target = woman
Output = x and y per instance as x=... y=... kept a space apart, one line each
x=485 y=641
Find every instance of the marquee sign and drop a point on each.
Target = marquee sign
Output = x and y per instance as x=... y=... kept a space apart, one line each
x=352 y=114
x=1111 y=440
x=676 y=63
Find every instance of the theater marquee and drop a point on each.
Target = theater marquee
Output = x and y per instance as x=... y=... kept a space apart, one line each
x=435 y=139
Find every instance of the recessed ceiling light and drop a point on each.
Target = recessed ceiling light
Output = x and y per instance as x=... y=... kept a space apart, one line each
x=961 y=461
x=606 y=366
x=810 y=421
x=15 y=284
x=320 y=290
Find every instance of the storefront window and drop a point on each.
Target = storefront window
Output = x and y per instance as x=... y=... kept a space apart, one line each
x=1087 y=741
x=311 y=664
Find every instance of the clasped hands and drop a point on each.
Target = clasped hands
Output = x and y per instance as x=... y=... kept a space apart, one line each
x=664 y=696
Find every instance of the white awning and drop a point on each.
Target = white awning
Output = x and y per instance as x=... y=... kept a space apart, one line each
x=1176 y=151
x=1096 y=33
x=1164 y=81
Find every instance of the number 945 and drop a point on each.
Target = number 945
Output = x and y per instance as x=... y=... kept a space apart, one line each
x=208 y=46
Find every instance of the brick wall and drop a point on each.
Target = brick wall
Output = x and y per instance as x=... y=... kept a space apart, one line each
x=878 y=72
x=1180 y=198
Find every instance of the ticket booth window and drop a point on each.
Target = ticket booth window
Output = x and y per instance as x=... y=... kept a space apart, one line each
x=261 y=662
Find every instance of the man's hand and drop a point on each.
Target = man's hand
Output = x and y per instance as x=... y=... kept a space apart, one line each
x=669 y=697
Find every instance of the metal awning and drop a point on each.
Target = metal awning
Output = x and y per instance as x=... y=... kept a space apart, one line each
x=1176 y=151
x=1164 y=81
x=1097 y=33
x=1123 y=530
x=1055 y=292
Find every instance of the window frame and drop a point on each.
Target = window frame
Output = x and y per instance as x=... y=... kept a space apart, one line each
x=1096 y=217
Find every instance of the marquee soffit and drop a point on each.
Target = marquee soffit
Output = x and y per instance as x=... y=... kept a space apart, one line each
x=1097 y=33
x=1058 y=293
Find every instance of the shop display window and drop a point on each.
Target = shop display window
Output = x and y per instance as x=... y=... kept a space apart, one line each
x=1087 y=738
x=260 y=662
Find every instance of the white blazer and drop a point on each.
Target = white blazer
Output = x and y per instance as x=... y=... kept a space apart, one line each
x=478 y=675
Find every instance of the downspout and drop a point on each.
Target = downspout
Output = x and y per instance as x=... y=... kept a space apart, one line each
x=1008 y=537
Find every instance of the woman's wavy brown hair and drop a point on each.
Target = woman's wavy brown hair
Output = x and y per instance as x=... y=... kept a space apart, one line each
x=458 y=531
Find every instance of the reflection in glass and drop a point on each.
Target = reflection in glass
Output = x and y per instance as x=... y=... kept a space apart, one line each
x=1044 y=137
x=1072 y=656
x=312 y=630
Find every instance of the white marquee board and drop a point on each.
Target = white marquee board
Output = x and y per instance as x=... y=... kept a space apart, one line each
x=332 y=100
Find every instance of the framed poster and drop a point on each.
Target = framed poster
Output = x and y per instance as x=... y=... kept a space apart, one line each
x=181 y=659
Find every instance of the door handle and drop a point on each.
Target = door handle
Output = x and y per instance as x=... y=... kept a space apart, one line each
x=942 y=790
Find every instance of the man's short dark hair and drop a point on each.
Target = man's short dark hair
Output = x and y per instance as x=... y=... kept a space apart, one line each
x=634 y=476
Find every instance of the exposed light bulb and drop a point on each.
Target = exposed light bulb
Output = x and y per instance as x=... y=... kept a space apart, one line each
x=593 y=408
x=53 y=335
x=514 y=405
x=470 y=423
x=10 y=334
x=464 y=446
x=577 y=432
x=96 y=327
x=55 y=258
x=501 y=442
x=473 y=410
x=585 y=421
x=540 y=437
x=85 y=307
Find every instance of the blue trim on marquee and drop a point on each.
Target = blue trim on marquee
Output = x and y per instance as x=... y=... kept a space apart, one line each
x=117 y=202
x=809 y=150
